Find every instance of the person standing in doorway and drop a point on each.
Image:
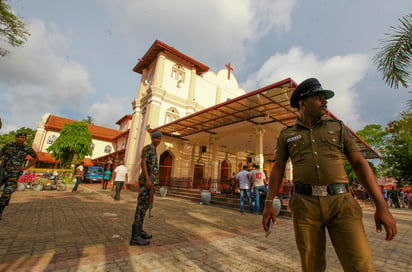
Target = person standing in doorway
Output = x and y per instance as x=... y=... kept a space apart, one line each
x=259 y=185
x=13 y=155
x=244 y=179
x=79 y=177
x=148 y=177
x=321 y=199
x=121 y=176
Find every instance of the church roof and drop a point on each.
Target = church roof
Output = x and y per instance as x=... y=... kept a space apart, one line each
x=125 y=117
x=236 y=121
x=55 y=123
x=158 y=47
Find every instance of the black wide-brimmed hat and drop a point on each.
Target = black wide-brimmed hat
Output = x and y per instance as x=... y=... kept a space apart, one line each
x=307 y=88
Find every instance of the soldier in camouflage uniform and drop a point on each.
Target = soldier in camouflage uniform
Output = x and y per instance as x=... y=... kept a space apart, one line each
x=13 y=155
x=148 y=177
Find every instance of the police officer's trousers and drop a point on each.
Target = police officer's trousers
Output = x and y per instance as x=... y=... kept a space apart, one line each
x=342 y=216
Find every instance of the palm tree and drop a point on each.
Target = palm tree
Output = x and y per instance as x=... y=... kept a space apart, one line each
x=395 y=55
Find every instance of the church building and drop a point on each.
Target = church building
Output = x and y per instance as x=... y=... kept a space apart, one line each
x=211 y=127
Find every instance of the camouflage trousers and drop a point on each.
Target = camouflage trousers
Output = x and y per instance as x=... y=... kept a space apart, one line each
x=143 y=204
x=10 y=186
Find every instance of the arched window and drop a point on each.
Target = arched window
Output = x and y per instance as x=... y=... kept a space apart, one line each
x=92 y=146
x=178 y=74
x=171 y=115
x=51 y=139
x=107 y=149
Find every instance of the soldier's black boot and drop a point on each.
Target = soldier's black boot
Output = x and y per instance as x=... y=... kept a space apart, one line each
x=146 y=235
x=137 y=239
x=1 y=210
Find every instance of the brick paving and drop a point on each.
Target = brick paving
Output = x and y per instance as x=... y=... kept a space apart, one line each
x=89 y=231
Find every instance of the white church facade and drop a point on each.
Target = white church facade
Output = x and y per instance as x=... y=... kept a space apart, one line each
x=211 y=127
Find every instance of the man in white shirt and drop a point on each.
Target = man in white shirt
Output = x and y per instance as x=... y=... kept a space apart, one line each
x=244 y=179
x=259 y=180
x=120 y=179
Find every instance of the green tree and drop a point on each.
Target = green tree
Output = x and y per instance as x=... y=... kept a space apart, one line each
x=397 y=155
x=351 y=174
x=405 y=128
x=10 y=137
x=374 y=135
x=395 y=55
x=73 y=144
x=12 y=28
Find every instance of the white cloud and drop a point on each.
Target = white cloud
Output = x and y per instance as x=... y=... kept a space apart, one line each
x=212 y=31
x=107 y=112
x=339 y=73
x=39 y=78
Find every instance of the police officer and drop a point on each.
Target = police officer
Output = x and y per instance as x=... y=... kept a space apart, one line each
x=321 y=197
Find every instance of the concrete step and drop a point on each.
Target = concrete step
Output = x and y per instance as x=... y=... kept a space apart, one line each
x=229 y=201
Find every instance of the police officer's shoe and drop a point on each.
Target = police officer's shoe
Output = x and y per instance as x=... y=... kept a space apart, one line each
x=146 y=235
x=137 y=239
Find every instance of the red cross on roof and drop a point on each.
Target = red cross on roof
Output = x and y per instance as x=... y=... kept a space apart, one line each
x=228 y=70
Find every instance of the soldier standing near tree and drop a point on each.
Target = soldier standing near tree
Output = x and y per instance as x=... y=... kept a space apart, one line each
x=13 y=156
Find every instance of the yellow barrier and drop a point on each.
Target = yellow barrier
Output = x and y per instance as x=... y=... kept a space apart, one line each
x=48 y=170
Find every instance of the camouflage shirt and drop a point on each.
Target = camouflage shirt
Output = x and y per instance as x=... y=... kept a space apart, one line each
x=149 y=153
x=13 y=156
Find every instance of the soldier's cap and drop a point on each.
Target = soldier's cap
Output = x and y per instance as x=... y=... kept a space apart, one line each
x=21 y=134
x=307 y=88
x=156 y=134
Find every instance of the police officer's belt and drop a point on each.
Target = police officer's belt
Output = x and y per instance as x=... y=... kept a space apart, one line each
x=321 y=190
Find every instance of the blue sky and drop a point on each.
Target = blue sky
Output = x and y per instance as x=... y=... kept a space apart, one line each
x=78 y=60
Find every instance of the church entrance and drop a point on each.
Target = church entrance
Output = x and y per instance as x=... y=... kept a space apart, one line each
x=198 y=176
x=225 y=182
x=165 y=168
x=224 y=170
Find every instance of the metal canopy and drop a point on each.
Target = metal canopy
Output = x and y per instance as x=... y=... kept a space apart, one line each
x=267 y=105
x=234 y=123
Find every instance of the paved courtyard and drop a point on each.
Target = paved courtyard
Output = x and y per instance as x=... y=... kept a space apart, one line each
x=89 y=231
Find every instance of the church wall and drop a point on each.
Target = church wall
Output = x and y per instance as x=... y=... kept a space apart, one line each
x=98 y=150
x=229 y=87
x=205 y=92
x=49 y=138
x=165 y=111
x=121 y=144
x=125 y=125
x=174 y=82
x=217 y=88
x=40 y=133
x=100 y=147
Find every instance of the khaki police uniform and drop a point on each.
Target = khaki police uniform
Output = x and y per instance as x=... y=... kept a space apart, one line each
x=316 y=154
